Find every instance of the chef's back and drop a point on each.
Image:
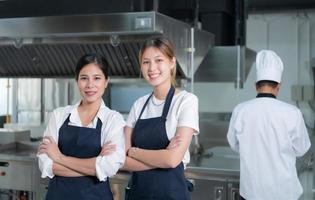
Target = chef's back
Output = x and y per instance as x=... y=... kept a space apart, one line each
x=268 y=134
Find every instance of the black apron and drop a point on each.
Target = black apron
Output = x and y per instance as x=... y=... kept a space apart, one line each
x=159 y=183
x=79 y=142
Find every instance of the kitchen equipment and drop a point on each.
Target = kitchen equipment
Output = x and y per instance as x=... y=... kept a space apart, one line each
x=215 y=174
x=50 y=46
x=11 y=136
x=18 y=166
x=36 y=131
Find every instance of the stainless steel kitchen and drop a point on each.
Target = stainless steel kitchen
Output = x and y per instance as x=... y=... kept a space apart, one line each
x=216 y=43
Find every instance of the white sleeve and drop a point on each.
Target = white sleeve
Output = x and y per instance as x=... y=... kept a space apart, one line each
x=44 y=162
x=299 y=137
x=107 y=166
x=189 y=115
x=132 y=117
x=231 y=135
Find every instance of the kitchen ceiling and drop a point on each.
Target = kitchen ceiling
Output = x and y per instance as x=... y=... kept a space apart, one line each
x=21 y=8
x=280 y=4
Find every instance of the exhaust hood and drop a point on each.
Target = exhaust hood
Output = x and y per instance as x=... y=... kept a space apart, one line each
x=50 y=46
x=226 y=64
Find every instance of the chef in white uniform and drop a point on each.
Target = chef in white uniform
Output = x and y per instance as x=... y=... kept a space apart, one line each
x=268 y=134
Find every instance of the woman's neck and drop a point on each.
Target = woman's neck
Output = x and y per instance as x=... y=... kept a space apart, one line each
x=160 y=92
x=88 y=111
x=90 y=106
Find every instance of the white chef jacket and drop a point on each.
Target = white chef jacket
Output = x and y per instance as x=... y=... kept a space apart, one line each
x=183 y=111
x=268 y=134
x=112 y=130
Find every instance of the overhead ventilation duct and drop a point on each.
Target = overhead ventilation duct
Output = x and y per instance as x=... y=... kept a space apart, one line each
x=50 y=46
x=226 y=64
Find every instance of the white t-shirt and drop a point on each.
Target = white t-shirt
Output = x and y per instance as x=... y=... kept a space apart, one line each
x=183 y=111
x=112 y=130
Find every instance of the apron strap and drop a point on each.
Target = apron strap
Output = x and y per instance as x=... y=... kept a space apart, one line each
x=67 y=120
x=99 y=125
x=168 y=102
x=145 y=105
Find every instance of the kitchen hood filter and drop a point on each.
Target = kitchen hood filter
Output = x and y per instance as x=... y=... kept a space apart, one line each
x=50 y=46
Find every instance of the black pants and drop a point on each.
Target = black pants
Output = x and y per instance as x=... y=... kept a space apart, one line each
x=241 y=198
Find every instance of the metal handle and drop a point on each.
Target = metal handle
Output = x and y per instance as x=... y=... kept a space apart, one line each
x=4 y=164
x=192 y=181
x=218 y=193
x=234 y=194
x=190 y=185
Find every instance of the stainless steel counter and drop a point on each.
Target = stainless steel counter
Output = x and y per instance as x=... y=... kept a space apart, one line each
x=19 y=155
x=20 y=151
x=216 y=168
x=18 y=167
x=214 y=161
x=215 y=175
x=217 y=163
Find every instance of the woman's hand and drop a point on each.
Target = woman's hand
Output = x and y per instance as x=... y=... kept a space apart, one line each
x=132 y=152
x=107 y=149
x=50 y=147
x=175 y=142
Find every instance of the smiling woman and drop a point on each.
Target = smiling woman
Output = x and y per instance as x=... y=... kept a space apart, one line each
x=159 y=128
x=83 y=144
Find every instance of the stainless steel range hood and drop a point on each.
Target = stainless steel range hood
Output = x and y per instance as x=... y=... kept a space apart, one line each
x=226 y=64
x=50 y=46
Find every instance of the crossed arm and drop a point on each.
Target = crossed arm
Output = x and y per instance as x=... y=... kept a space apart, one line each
x=71 y=166
x=138 y=159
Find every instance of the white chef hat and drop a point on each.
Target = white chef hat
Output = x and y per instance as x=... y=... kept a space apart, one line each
x=268 y=66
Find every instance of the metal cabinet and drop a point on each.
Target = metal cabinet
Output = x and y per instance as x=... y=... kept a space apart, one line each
x=215 y=190
x=17 y=179
x=233 y=191
x=203 y=189
x=16 y=175
x=209 y=190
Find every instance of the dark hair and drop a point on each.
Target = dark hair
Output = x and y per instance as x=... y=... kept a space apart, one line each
x=269 y=83
x=163 y=44
x=89 y=58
